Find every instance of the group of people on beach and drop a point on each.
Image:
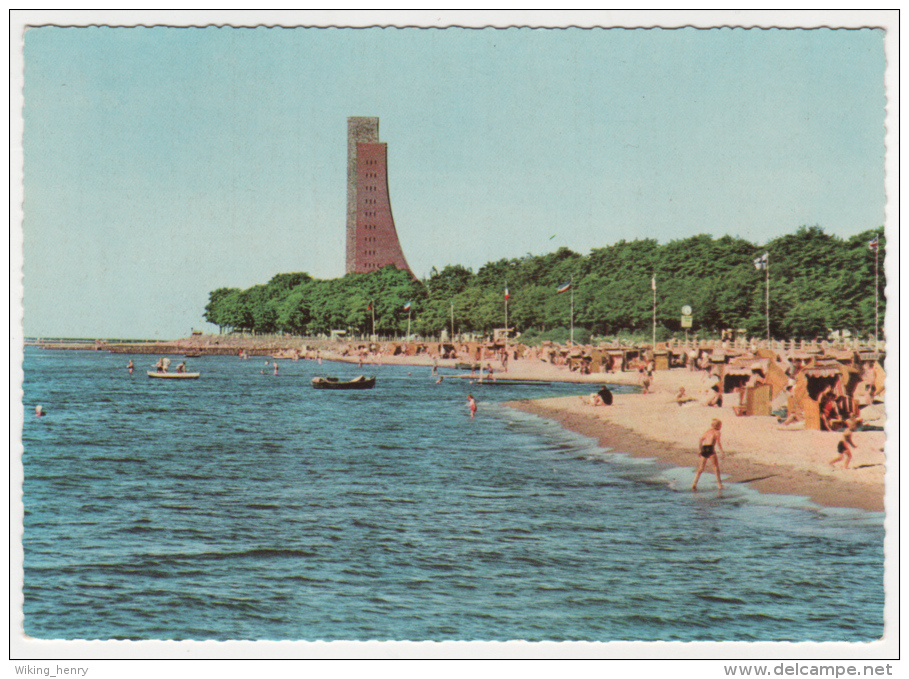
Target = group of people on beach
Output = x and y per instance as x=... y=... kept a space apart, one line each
x=161 y=366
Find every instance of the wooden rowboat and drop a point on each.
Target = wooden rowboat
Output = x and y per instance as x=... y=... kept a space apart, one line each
x=360 y=382
x=173 y=376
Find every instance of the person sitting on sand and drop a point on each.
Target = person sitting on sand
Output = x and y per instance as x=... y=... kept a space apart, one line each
x=594 y=399
x=709 y=444
x=716 y=397
x=601 y=398
x=682 y=398
x=842 y=448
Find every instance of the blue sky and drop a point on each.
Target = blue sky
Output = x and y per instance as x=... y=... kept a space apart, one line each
x=163 y=163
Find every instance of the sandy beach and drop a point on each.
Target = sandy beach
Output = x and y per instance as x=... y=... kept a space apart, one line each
x=759 y=452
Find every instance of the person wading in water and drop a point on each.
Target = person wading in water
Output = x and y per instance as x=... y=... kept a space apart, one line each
x=709 y=444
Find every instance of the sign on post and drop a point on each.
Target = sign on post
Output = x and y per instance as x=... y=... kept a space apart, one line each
x=686 y=316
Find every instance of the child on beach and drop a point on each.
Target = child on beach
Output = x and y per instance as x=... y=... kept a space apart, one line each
x=708 y=444
x=472 y=405
x=682 y=398
x=842 y=448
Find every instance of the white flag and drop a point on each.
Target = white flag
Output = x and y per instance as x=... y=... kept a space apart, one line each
x=761 y=262
x=653 y=283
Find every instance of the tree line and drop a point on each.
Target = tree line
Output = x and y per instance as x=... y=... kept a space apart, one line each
x=818 y=282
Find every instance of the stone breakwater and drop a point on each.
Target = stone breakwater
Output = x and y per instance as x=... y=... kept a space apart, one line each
x=207 y=345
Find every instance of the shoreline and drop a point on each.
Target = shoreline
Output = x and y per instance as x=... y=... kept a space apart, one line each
x=864 y=489
x=759 y=452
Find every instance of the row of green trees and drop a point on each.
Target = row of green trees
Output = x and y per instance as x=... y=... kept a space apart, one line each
x=818 y=282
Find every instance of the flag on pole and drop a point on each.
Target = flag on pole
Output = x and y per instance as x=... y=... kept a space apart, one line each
x=761 y=262
x=873 y=243
x=369 y=307
x=565 y=287
x=407 y=307
x=653 y=282
x=506 y=293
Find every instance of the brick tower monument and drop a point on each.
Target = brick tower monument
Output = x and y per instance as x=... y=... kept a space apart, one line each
x=372 y=241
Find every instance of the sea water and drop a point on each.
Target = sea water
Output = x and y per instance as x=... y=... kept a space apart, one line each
x=245 y=505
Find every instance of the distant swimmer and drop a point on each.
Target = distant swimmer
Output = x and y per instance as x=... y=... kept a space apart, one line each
x=441 y=377
x=276 y=367
x=130 y=366
x=472 y=404
x=39 y=411
x=842 y=448
x=709 y=444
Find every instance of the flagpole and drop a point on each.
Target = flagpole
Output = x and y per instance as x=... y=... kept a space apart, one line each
x=506 y=313
x=767 y=273
x=653 y=281
x=452 y=321
x=408 y=325
x=372 y=307
x=571 y=280
x=876 y=326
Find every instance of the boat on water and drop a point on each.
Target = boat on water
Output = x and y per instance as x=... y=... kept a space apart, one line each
x=467 y=366
x=173 y=376
x=361 y=382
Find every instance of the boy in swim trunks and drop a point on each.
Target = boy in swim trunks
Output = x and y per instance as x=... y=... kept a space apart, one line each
x=708 y=444
x=842 y=448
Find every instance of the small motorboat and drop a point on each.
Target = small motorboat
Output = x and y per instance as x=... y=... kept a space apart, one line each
x=467 y=366
x=173 y=376
x=360 y=382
